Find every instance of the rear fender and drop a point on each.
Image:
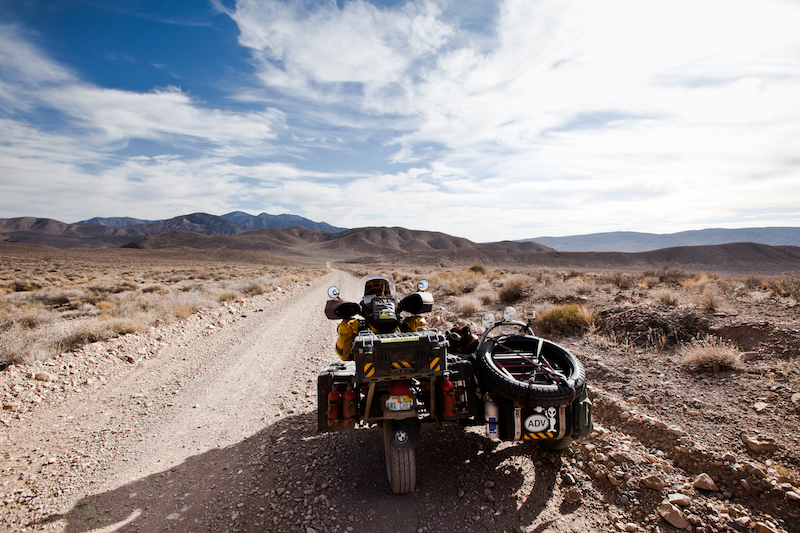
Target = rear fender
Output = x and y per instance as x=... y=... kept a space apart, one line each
x=403 y=433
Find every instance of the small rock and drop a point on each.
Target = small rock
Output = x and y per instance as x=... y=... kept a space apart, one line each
x=761 y=527
x=677 y=431
x=748 y=356
x=760 y=444
x=44 y=376
x=792 y=496
x=654 y=482
x=673 y=515
x=173 y=516
x=796 y=398
x=573 y=496
x=760 y=406
x=679 y=499
x=704 y=482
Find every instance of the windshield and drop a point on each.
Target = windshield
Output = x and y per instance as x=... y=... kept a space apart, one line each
x=362 y=284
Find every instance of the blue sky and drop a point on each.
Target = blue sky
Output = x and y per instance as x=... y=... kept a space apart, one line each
x=485 y=120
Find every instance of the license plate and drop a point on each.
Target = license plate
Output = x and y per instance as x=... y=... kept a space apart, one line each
x=399 y=403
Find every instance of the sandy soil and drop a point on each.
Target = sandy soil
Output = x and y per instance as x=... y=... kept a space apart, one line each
x=209 y=425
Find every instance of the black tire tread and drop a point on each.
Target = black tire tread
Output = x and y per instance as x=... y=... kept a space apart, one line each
x=401 y=465
x=527 y=393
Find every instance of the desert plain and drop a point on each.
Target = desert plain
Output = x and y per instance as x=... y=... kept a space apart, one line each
x=175 y=390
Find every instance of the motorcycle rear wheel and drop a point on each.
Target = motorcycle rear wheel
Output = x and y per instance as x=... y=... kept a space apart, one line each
x=401 y=465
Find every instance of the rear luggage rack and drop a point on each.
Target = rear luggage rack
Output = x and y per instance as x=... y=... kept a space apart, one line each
x=391 y=356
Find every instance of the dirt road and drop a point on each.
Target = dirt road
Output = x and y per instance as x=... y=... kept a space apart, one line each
x=210 y=425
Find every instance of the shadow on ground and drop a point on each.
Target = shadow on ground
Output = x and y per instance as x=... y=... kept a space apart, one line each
x=287 y=477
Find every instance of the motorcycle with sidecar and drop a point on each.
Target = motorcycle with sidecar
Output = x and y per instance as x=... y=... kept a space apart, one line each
x=520 y=387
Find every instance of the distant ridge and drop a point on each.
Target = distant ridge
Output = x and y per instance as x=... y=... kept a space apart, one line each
x=264 y=220
x=629 y=241
x=117 y=222
x=348 y=244
x=104 y=232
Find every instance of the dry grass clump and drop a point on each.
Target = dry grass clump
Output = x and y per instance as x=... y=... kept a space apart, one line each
x=569 y=319
x=455 y=283
x=514 y=288
x=783 y=288
x=709 y=354
x=620 y=280
x=468 y=305
x=667 y=297
x=670 y=277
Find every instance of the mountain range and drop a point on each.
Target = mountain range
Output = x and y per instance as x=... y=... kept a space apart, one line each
x=629 y=241
x=234 y=233
x=105 y=232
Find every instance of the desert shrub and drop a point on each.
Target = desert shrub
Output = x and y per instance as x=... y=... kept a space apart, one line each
x=709 y=354
x=570 y=319
x=181 y=305
x=702 y=278
x=649 y=282
x=228 y=296
x=485 y=295
x=709 y=298
x=667 y=297
x=672 y=277
x=468 y=305
x=479 y=269
x=19 y=345
x=582 y=286
x=97 y=329
x=153 y=288
x=19 y=285
x=784 y=288
x=29 y=316
x=619 y=279
x=457 y=282
x=513 y=289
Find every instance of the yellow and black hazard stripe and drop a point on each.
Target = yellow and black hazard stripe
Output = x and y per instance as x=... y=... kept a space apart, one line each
x=397 y=365
x=540 y=436
x=369 y=370
x=435 y=364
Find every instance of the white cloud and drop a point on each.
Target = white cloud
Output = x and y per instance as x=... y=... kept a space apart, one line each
x=556 y=117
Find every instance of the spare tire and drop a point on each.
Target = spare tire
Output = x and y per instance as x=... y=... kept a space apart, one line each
x=508 y=365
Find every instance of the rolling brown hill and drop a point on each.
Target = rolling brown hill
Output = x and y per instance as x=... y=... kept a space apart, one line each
x=387 y=246
x=398 y=246
x=345 y=245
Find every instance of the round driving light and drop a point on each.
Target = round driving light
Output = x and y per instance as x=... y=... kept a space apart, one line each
x=509 y=313
x=487 y=320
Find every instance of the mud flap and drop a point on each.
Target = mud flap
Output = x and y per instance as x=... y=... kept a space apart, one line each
x=582 y=415
x=403 y=433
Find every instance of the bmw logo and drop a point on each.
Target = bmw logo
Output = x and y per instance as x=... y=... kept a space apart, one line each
x=401 y=436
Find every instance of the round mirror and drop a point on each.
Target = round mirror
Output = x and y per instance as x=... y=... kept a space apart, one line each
x=509 y=313
x=333 y=292
x=422 y=285
x=487 y=320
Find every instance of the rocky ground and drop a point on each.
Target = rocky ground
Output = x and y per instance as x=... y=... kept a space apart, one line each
x=210 y=425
